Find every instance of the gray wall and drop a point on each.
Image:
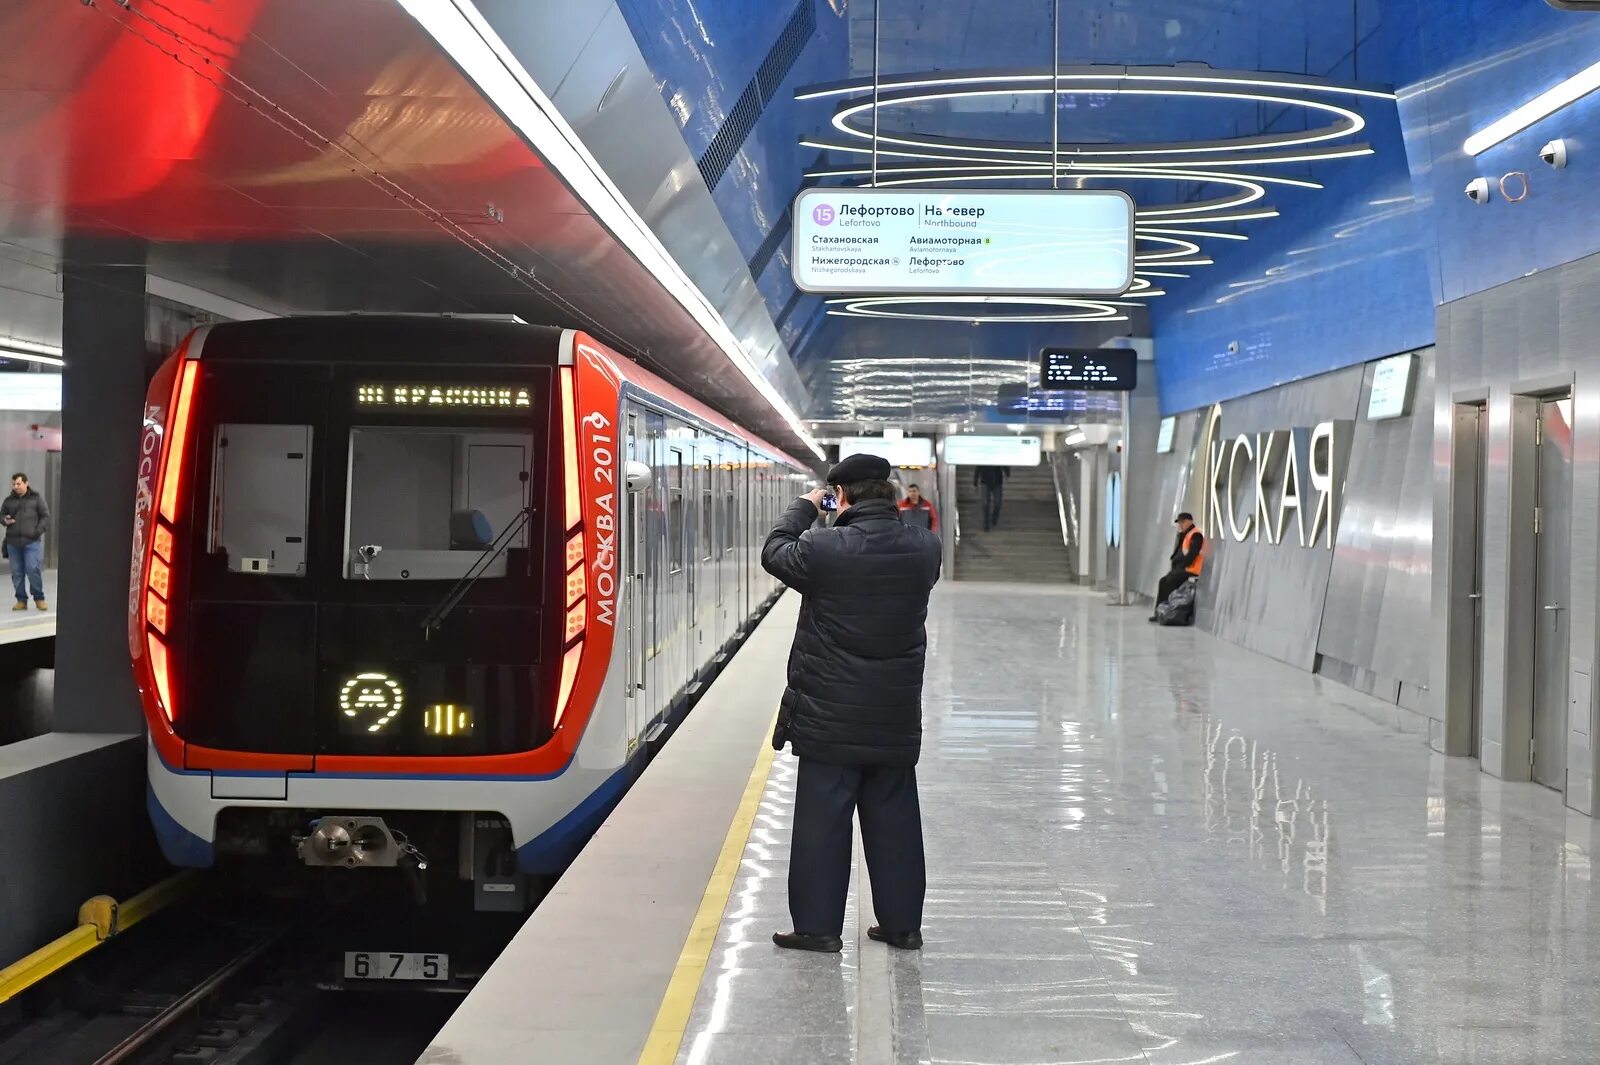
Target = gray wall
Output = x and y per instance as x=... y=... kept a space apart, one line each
x=1360 y=613
x=1524 y=337
x=1376 y=617
x=1268 y=597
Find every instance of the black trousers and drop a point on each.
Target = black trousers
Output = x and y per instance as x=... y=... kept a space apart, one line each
x=1169 y=584
x=993 y=496
x=891 y=833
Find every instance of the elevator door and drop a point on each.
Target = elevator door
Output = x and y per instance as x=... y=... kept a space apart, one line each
x=1552 y=581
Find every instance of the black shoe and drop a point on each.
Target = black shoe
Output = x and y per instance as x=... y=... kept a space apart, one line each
x=903 y=940
x=807 y=941
x=1152 y=619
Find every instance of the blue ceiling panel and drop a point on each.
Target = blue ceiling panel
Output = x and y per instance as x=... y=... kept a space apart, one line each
x=1476 y=61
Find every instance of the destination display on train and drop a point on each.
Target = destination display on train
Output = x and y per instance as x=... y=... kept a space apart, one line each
x=440 y=397
x=1010 y=242
x=1088 y=370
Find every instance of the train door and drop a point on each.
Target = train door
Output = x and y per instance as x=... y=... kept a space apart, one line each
x=637 y=588
x=709 y=555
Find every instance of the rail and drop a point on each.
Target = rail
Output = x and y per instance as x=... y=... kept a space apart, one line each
x=99 y=919
x=1061 y=497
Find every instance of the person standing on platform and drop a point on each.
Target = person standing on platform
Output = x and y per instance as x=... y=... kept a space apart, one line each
x=992 y=479
x=1186 y=559
x=852 y=710
x=26 y=518
x=914 y=510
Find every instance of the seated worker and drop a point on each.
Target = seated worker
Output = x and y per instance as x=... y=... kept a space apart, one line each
x=914 y=510
x=1186 y=560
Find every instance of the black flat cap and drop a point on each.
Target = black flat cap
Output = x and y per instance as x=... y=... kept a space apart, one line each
x=1185 y=516
x=858 y=468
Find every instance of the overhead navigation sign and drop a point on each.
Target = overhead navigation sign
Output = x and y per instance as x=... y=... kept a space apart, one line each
x=1067 y=242
x=1088 y=370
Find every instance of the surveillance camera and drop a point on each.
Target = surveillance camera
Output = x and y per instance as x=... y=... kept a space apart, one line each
x=1233 y=347
x=1478 y=190
x=1555 y=153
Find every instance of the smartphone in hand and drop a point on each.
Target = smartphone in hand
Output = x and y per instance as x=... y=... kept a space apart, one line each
x=829 y=501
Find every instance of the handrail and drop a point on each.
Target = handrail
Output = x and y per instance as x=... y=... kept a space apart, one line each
x=1061 y=504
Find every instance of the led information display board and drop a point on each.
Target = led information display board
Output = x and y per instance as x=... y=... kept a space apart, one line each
x=969 y=450
x=30 y=391
x=1007 y=242
x=907 y=452
x=442 y=397
x=1391 y=388
x=1088 y=370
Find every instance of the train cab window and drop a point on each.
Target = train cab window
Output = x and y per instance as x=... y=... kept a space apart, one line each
x=427 y=503
x=260 y=494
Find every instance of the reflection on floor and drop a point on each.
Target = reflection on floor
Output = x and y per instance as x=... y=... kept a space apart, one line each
x=30 y=624
x=1149 y=846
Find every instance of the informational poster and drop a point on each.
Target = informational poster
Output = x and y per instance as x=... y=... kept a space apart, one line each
x=1391 y=388
x=998 y=242
x=970 y=450
x=1164 y=442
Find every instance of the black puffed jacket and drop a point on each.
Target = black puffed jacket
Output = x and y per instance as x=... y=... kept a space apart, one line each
x=854 y=695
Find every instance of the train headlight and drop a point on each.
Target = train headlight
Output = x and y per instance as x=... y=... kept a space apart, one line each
x=370 y=702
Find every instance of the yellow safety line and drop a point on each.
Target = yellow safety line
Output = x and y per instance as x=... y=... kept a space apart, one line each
x=672 y=1019
x=99 y=919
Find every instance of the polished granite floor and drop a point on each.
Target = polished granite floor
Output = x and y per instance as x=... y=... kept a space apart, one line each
x=1146 y=845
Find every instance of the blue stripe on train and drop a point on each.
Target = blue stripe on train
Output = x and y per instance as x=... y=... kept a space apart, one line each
x=182 y=847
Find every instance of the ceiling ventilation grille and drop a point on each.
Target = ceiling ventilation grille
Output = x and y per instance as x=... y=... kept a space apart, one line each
x=747 y=109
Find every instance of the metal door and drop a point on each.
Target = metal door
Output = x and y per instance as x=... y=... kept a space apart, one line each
x=1552 y=583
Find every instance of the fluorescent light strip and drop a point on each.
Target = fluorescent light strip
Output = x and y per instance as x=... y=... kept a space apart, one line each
x=27 y=351
x=1350 y=124
x=1211 y=77
x=1161 y=273
x=1542 y=106
x=1141 y=231
x=461 y=31
x=1251 y=191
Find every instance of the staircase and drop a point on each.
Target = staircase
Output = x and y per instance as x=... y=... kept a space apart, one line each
x=1026 y=545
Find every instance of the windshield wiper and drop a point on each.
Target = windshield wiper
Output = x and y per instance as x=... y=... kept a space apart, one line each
x=479 y=567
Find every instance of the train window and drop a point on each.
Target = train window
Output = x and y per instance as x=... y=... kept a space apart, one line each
x=426 y=503
x=707 y=517
x=730 y=523
x=260 y=487
x=675 y=517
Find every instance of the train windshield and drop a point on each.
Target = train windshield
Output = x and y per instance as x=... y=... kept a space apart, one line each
x=337 y=507
x=426 y=503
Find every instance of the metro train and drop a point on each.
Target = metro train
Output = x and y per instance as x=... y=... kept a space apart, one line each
x=413 y=589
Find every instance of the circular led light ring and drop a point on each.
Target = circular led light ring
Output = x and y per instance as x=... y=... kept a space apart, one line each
x=1348 y=122
x=867 y=307
x=1180 y=248
x=1246 y=78
x=1249 y=189
x=975 y=150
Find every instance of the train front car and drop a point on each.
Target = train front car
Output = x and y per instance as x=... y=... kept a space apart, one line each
x=373 y=593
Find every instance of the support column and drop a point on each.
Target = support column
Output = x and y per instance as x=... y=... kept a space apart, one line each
x=102 y=405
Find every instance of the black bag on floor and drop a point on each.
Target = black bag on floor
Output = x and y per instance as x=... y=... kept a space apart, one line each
x=1179 y=607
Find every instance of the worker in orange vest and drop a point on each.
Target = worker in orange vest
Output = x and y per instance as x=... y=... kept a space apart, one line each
x=1186 y=559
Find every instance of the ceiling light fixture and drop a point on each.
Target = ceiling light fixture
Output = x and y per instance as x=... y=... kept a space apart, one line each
x=1248 y=79
x=1073 y=310
x=467 y=38
x=28 y=351
x=1540 y=107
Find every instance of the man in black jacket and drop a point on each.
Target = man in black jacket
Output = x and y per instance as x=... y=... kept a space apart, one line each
x=26 y=519
x=853 y=705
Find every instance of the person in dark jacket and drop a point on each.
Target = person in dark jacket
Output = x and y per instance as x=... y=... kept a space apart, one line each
x=852 y=710
x=1186 y=560
x=26 y=519
x=992 y=479
x=915 y=510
